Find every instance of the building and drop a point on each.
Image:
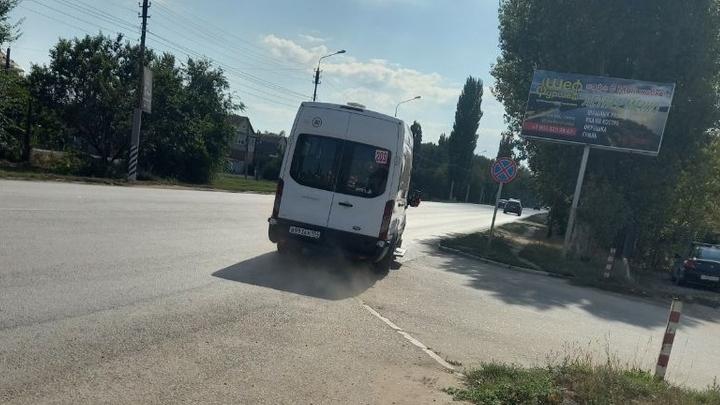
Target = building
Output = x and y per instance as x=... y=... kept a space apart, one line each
x=13 y=65
x=242 y=147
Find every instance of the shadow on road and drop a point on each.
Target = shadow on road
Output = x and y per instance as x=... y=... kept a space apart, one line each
x=326 y=278
x=546 y=293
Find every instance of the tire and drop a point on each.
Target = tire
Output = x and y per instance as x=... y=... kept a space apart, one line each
x=382 y=267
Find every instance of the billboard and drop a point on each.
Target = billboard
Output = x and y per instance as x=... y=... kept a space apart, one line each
x=605 y=112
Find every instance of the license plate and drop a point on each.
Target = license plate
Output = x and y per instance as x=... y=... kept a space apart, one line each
x=296 y=230
x=709 y=278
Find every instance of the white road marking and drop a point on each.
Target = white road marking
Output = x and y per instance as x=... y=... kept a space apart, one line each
x=411 y=339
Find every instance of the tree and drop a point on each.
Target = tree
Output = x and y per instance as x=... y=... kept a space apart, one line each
x=13 y=109
x=8 y=30
x=463 y=138
x=91 y=83
x=188 y=133
x=416 y=130
x=643 y=39
x=90 y=86
x=506 y=145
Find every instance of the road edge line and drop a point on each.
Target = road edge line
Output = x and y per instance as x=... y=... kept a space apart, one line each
x=411 y=339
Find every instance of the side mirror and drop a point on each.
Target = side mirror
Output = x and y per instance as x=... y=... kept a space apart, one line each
x=414 y=199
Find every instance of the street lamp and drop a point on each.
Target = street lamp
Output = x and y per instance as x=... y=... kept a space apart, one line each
x=317 y=71
x=406 y=101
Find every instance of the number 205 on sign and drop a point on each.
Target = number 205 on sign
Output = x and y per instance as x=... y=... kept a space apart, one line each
x=381 y=157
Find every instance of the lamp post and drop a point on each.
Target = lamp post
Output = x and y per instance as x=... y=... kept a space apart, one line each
x=317 y=71
x=406 y=101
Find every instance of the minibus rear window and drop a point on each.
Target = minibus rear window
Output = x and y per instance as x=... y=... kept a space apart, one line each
x=314 y=162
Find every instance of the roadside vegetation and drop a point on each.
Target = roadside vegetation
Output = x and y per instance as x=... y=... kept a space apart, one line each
x=70 y=119
x=220 y=182
x=574 y=381
x=653 y=206
x=526 y=243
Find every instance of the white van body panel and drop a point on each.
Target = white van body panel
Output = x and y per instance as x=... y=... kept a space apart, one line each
x=358 y=214
x=307 y=204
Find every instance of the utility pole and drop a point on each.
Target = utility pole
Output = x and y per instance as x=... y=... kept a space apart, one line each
x=317 y=71
x=137 y=114
x=27 y=135
x=317 y=81
x=7 y=60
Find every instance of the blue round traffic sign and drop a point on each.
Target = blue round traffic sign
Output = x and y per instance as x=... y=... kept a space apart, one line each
x=504 y=170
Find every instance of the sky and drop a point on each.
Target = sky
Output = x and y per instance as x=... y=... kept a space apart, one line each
x=396 y=50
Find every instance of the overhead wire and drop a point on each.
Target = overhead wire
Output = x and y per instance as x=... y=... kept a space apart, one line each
x=98 y=13
x=285 y=94
x=205 y=27
x=40 y=13
x=228 y=71
x=246 y=76
x=73 y=16
x=216 y=41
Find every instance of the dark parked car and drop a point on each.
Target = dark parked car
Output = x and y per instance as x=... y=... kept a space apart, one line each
x=513 y=206
x=701 y=267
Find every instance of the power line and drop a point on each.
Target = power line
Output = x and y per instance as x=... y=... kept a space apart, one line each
x=216 y=40
x=192 y=38
x=192 y=53
x=73 y=16
x=53 y=18
x=285 y=94
x=245 y=75
x=97 y=13
x=204 y=27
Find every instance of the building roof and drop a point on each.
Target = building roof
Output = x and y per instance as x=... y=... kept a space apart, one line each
x=237 y=120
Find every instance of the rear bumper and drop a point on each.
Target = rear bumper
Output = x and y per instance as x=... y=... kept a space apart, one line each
x=694 y=277
x=359 y=246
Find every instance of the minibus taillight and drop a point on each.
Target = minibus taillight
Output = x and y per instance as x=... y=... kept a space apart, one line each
x=387 y=216
x=278 y=198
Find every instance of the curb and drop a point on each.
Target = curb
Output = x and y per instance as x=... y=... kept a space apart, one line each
x=500 y=264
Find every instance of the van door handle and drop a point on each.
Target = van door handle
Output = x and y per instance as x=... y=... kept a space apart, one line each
x=345 y=204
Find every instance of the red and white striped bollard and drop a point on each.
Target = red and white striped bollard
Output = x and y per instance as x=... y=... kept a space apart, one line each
x=610 y=262
x=668 y=338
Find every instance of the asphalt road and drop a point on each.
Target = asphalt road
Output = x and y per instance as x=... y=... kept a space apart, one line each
x=117 y=295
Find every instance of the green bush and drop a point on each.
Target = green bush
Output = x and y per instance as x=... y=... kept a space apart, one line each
x=271 y=169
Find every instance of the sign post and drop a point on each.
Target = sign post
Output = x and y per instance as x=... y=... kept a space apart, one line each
x=576 y=198
x=504 y=170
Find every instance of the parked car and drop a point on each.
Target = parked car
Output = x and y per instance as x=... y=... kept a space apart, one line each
x=701 y=267
x=513 y=206
x=344 y=183
x=501 y=203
